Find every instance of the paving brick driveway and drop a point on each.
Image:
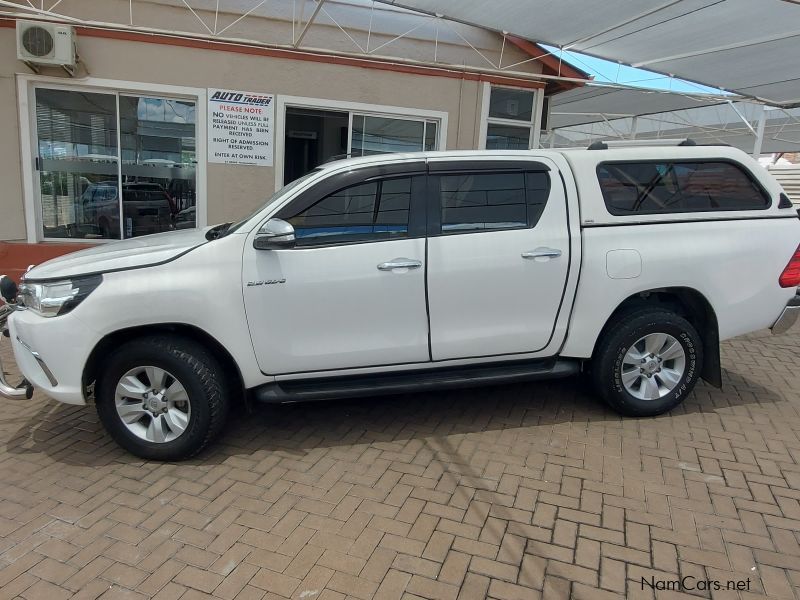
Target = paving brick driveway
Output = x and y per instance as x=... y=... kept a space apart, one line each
x=521 y=491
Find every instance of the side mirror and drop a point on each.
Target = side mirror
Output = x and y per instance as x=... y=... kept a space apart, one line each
x=275 y=234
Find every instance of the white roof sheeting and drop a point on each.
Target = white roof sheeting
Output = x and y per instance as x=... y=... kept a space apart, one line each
x=735 y=124
x=590 y=104
x=743 y=46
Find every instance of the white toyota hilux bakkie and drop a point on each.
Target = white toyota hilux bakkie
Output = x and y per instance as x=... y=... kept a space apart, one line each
x=404 y=272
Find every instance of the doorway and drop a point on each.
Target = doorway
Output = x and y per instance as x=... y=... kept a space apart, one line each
x=313 y=137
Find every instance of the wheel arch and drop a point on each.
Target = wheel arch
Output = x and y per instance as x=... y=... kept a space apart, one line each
x=690 y=304
x=112 y=340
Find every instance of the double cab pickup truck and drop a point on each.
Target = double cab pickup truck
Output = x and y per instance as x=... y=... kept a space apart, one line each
x=403 y=272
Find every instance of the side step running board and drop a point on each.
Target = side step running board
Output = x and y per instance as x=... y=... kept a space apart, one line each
x=413 y=381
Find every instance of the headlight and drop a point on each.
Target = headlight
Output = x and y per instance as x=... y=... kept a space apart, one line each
x=58 y=297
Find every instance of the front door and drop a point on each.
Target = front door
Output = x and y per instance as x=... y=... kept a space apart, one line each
x=498 y=257
x=352 y=292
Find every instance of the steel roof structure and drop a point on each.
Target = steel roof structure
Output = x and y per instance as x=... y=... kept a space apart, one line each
x=744 y=46
x=366 y=30
x=751 y=127
x=595 y=103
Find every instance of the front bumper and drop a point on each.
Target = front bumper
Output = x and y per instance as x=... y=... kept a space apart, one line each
x=52 y=352
x=788 y=317
x=24 y=389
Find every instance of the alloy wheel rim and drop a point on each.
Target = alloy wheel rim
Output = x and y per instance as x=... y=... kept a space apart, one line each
x=152 y=404
x=653 y=366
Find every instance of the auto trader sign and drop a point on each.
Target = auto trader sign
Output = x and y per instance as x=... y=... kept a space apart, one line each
x=240 y=127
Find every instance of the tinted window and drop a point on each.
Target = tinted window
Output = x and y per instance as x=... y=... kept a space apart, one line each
x=368 y=211
x=482 y=201
x=677 y=187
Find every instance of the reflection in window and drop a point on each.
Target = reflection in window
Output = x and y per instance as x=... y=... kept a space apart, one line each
x=474 y=202
x=158 y=164
x=507 y=103
x=431 y=129
x=507 y=137
x=369 y=211
x=510 y=119
x=378 y=135
x=675 y=187
x=77 y=145
x=79 y=178
x=484 y=201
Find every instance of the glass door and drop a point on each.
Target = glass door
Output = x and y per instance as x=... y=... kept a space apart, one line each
x=158 y=164
x=78 y=164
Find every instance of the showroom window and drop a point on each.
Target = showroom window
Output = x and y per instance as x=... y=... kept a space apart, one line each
x=114 y=165
x=510 y=119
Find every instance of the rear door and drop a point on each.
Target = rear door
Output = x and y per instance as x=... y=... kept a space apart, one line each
x=498 y=256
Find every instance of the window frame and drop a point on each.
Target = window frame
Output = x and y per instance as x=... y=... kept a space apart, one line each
x=29 y=144
x=677 y=161
x=353 y=108
x=534 y=125
x=425 y=121
x=471 y=168
x=347 y=179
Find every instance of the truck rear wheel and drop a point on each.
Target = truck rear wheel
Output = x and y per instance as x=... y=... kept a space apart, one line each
x=162 y=397
x=647 y=362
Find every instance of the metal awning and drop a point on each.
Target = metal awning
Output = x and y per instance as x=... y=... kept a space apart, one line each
x=592 y=104
x=745 y=125
x=744 y=46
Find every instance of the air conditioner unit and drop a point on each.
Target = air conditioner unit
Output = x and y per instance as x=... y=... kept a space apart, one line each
x=40 y=43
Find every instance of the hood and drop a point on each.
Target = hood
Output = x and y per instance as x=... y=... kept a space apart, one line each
x=143 y=251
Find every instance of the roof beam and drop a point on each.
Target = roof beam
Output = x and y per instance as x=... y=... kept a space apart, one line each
x=39 y=11
x=308 y=24
x=735 y=46
x=627 y=21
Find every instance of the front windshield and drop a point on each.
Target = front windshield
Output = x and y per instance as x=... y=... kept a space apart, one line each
x=272 y=199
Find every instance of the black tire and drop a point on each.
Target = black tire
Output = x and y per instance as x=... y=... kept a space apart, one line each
x=620 y=336
x=197 y=370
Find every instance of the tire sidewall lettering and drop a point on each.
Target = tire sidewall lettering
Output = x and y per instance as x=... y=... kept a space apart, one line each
x=688 y=376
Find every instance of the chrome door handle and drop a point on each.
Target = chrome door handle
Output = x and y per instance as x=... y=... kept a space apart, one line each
x=399 y=263
x=542 y=253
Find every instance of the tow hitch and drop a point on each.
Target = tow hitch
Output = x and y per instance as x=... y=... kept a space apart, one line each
x=8 y=290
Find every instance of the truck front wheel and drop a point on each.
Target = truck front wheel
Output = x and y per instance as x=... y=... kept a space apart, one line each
x=647 y=362
x=162 y=397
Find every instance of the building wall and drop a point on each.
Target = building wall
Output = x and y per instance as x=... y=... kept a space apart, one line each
x=233 y=190
x=12 y=215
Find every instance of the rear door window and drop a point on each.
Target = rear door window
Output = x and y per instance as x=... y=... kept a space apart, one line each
x=652 y=187
x=471 y=202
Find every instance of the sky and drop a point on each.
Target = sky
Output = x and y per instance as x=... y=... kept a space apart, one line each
x=606 y=71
